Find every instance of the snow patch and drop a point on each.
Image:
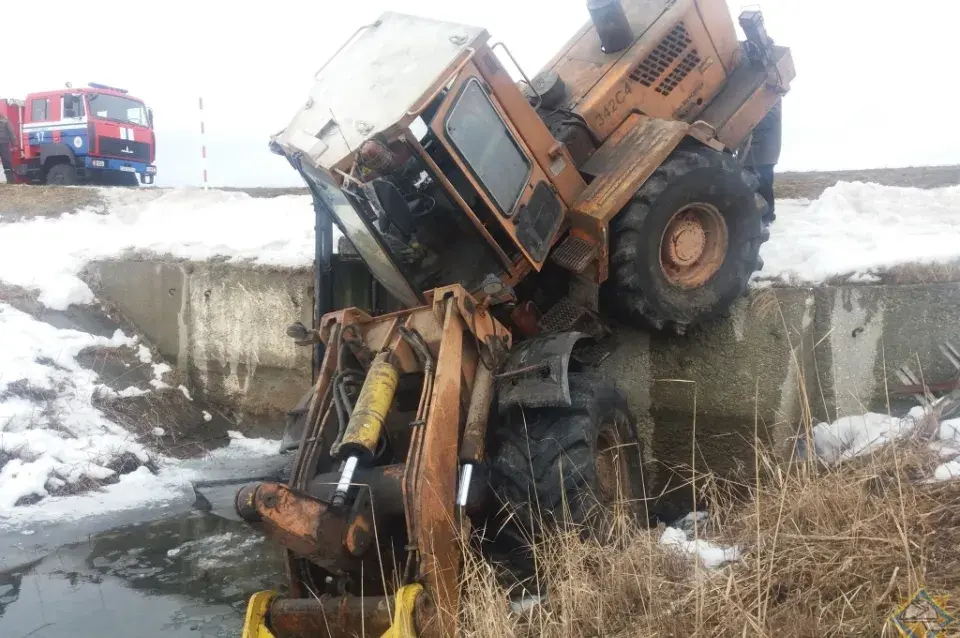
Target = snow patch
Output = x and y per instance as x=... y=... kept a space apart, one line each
x=160 y=369
x=241 y=446
x=144 y=354
x=183 y=389
x=158 y=431
x=852 y=436
x=127 y=393
x=711 y=556
x=50 y=432
x=860 y=229
x=207 y=416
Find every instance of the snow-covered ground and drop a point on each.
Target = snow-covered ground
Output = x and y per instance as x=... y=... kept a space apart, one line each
x=860 y=230
x=61 y=437
x=45 y=254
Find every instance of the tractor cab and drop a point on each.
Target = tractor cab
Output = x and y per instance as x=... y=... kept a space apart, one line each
x=406 y=143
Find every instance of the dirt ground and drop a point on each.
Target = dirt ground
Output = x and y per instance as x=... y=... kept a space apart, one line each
x=809 y=185
x=18 y=201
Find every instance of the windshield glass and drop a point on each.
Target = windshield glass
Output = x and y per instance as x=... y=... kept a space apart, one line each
x=115 y=107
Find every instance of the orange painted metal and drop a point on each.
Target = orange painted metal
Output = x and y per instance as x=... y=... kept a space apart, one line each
x=461 y=335
x=693 y=245
x=537 y=173
x=753 y=106
x=435 y=481
x=626 y=162
x=452 y=192
x=682 y=76
x=633 y=153
x=550 y=154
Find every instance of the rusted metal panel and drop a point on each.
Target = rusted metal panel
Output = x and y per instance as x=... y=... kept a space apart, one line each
x=475 y=431
x=330 y=617
x=301 y=523
x=435 y=481
x=625 y=162
x=747 y=97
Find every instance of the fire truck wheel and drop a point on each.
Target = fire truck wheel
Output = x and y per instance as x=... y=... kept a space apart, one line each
x=684 y=249
x=552 y=466
x=62 y=175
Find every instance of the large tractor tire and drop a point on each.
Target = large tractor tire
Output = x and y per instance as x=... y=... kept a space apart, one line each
x=685 y=247
x=553 y=466
x=62 y=175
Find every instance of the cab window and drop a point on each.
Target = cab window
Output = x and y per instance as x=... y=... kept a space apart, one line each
x=477 y=132
x=39 y=109
x=73 y=106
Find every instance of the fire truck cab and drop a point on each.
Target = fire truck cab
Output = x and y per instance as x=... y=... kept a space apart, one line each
x=92 y=135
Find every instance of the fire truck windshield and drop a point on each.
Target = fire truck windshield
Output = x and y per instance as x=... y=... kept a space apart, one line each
x=114 y=107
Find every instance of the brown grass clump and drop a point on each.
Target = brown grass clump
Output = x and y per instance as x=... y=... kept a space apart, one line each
x=826 y=552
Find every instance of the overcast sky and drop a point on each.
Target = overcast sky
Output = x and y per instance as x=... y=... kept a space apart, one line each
x=876 y=81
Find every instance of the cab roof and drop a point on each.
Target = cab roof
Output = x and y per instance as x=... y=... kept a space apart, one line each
x=372 y=83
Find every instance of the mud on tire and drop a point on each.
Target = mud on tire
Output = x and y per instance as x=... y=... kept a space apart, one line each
x=558 y=464
x=649 y=283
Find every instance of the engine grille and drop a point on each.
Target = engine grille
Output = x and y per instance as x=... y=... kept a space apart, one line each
x=123 y=149
x=659 y=60
x=689 y=63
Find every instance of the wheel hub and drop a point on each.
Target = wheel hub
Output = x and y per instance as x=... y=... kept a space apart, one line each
x=686 y=242
x=693 y=246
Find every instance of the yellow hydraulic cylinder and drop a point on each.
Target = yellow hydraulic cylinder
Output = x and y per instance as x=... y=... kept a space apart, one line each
x=370 y=411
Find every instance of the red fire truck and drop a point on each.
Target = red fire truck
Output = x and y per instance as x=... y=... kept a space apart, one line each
x=92 y=135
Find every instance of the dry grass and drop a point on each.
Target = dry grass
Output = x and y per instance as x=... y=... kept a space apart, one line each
x=826 y=552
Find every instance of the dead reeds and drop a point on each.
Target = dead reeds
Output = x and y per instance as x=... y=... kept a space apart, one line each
x=826 y=551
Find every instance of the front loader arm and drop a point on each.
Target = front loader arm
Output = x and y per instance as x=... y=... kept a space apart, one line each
x=371 y=516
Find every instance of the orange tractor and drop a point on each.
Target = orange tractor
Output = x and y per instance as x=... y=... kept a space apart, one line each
x=506 y=221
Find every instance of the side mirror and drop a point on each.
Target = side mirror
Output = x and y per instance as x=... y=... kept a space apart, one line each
x=150 y=117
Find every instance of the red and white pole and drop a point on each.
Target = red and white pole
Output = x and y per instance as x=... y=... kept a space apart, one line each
x=203 y=146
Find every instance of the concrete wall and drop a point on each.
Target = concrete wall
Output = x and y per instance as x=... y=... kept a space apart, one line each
x=223 y=323
x=784 y=352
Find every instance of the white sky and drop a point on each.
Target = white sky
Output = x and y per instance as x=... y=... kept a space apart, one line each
x=876 y=81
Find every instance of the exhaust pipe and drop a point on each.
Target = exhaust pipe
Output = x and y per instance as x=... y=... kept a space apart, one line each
x=611 y=23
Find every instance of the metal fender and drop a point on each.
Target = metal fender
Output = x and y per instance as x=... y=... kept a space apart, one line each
x=535 y=375
x=56 y=150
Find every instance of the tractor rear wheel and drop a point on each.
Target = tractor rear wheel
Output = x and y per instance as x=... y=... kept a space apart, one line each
x=556 y=465
x=684 y=249
x=62 y=175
